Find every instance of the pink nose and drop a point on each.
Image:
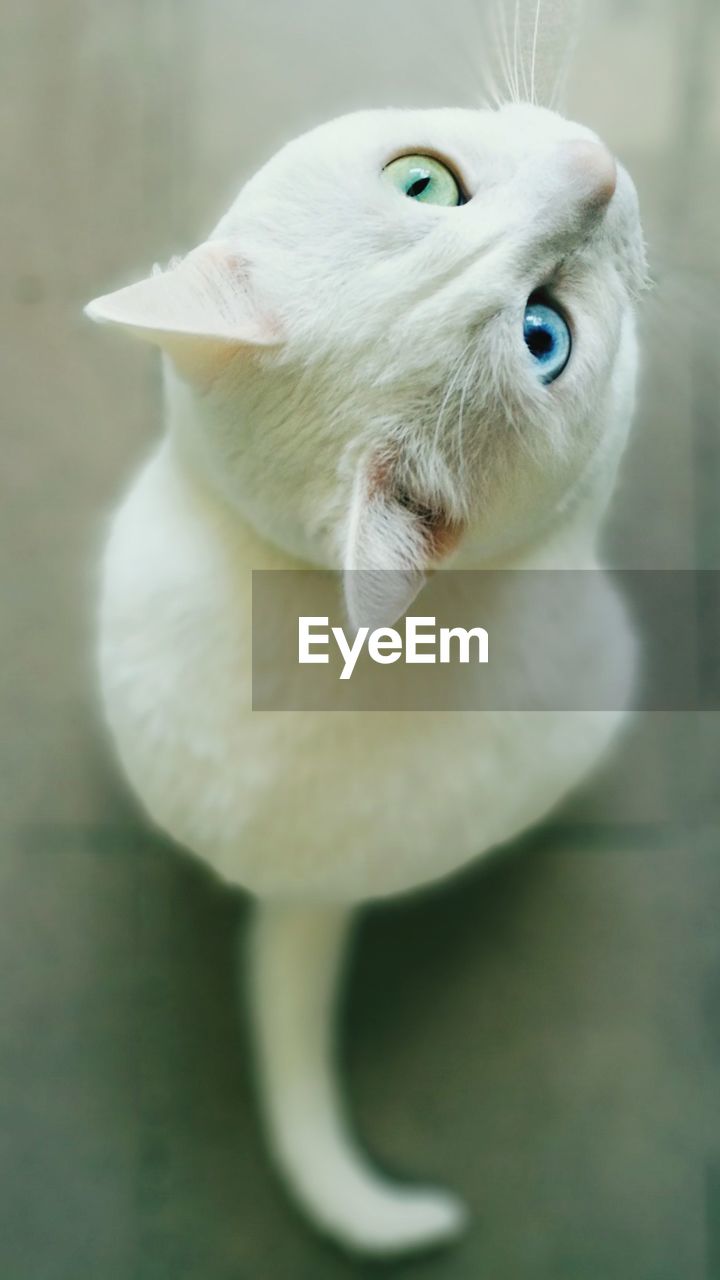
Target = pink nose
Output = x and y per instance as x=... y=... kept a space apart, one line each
x=593 y=171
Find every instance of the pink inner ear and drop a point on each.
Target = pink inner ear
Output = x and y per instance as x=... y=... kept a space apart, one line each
x=202 y=310
x=231 y=293
x=394 y=541
x=439 y=533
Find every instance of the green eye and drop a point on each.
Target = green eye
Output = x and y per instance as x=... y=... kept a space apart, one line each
x=424 y=178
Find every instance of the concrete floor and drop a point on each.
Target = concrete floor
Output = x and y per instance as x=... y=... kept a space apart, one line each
x=543 y=1034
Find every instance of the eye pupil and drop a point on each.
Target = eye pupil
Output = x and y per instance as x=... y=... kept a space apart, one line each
x=547 y=337
x=540 y=343
x=425 y=180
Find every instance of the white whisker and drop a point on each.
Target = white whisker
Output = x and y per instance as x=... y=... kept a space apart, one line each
x=534 y=51
x=498 y=33
x=460 y=442
x=449 y=388
x=515 y=51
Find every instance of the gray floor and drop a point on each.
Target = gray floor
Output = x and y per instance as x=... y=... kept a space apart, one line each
x=543 y=1034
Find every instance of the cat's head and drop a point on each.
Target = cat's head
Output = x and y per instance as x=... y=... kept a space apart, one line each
x=412 y=329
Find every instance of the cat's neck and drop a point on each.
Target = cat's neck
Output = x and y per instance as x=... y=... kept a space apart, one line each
x=569 y=541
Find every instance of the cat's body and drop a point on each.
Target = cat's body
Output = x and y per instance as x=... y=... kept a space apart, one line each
x=335 y=806
x=311 y=375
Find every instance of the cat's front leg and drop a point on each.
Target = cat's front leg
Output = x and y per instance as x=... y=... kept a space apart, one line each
x=296 y=958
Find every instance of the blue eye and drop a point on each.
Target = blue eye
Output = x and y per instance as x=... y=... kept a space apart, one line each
x=547 y=338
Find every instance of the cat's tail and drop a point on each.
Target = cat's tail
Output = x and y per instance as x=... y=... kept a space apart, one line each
x=297 y=956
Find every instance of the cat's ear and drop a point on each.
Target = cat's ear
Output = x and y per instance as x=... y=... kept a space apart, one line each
x=393 y=540
x=201 y=310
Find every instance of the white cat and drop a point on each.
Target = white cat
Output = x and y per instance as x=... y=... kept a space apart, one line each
x=409 y=343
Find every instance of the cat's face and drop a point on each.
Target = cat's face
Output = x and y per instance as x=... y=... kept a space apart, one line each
x=411 y=328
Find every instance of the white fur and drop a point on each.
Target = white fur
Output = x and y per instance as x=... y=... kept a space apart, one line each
x=342 y=360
